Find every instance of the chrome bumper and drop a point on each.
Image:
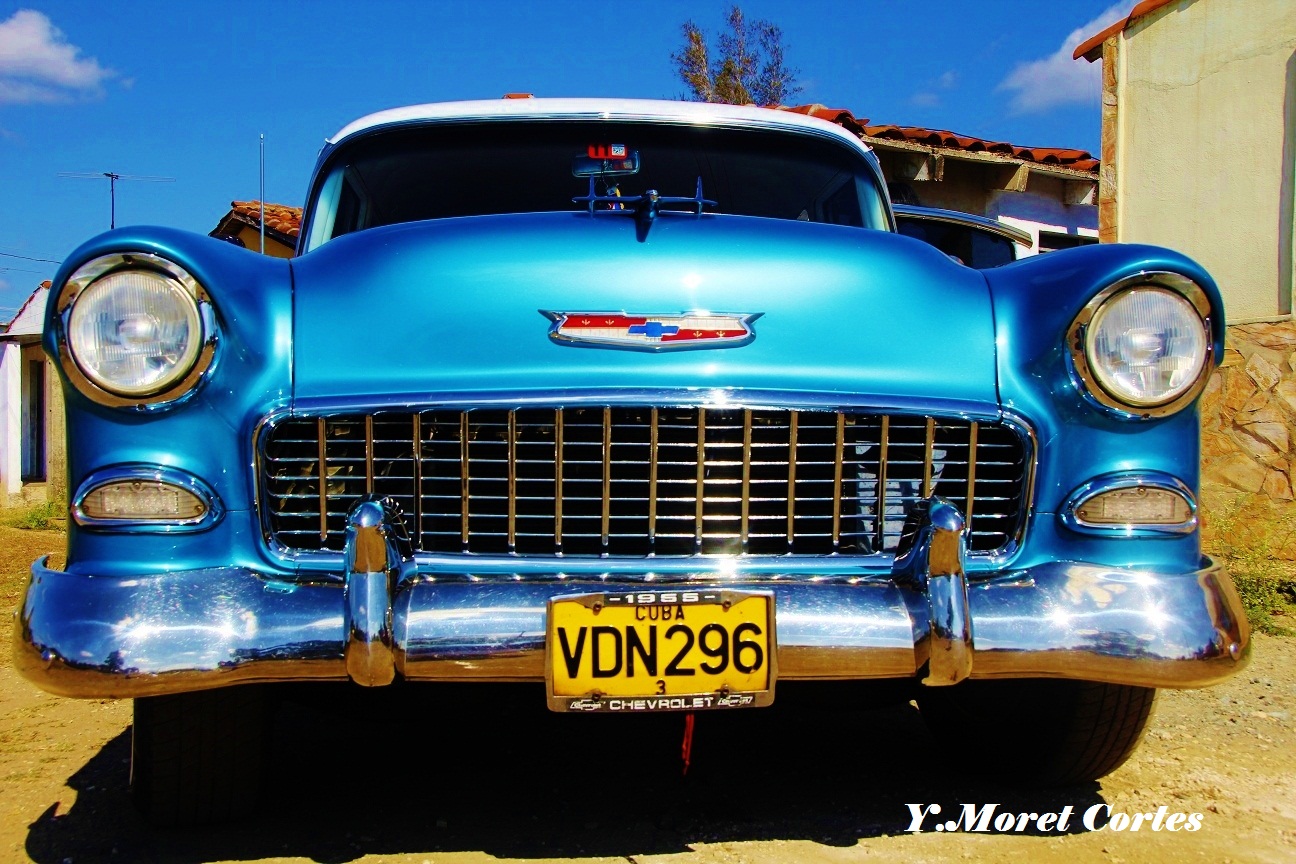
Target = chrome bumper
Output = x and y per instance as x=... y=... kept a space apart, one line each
x=87 y=636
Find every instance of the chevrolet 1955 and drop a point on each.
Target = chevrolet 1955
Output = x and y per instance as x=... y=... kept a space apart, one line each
x=646 y=401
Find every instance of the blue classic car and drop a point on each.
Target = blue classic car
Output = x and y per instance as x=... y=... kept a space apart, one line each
x=646 y=401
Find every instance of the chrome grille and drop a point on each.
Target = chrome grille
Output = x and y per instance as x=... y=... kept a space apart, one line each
x=638 y=481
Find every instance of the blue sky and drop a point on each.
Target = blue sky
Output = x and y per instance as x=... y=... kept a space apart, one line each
x=183 y=89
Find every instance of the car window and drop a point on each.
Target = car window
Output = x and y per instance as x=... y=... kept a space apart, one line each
x=441 y=171
x=977 y=248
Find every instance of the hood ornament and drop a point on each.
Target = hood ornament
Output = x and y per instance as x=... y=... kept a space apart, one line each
x=651 y=331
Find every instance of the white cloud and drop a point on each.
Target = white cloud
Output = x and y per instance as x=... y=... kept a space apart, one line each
x=1058 y=79
x=929 y=98
x=37 y=64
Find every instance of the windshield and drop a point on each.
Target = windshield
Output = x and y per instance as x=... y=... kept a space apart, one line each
x=448 y=170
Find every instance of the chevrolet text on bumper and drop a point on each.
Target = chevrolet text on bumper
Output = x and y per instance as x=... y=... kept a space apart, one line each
x=666 y=415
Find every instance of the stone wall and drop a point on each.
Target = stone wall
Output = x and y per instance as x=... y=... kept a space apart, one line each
x=1249 y=413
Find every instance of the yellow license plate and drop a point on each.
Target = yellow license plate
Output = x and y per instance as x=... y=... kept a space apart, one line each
x=672 y=650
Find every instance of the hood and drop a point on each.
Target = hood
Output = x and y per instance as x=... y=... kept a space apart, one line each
x=426 y=311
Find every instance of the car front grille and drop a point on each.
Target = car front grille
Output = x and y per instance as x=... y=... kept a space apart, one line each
x=640 y=481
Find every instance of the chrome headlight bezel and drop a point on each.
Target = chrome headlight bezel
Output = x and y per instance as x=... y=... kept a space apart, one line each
x=174 y=387
x=1089 y=382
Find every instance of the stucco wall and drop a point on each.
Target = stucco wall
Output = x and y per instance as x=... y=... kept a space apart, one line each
x=1206 y=122
x=251 y=238
x=10 y=421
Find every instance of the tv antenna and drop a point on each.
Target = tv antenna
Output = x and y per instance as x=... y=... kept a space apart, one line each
x=112 y=178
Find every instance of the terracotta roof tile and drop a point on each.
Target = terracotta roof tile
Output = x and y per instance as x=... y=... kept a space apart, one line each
x=1079 y=160
x=279 y=217
x=1088 y=48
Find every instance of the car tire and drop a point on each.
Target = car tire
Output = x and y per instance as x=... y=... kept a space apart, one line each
x=196 y=758
x=1046 y=732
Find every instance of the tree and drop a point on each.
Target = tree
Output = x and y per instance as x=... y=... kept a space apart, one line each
x=750 y=68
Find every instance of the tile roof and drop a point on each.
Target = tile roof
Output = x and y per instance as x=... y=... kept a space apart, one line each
x=278 y=217
x=1090 y=48
x=1079 y=160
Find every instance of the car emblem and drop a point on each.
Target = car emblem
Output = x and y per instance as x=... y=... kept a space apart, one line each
x=650 y=331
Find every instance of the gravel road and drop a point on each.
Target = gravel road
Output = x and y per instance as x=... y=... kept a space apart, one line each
x=445 y=775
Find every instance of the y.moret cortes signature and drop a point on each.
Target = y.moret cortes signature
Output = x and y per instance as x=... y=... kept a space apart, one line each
x=985 y=818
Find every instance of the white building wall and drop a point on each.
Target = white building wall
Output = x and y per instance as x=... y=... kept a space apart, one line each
x=10 y=421
x=1035 y=213
x=1205 y=124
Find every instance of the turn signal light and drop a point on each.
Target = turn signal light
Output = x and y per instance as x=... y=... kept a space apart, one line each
x=1137 y=505
x=142 y=500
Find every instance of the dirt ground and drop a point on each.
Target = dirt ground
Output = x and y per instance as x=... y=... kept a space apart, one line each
x=470 y=775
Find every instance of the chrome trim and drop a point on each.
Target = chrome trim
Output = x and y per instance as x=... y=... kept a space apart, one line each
x=792 y=466
x=929 y=446
x=884 y=438
x=1129 y=480
x=369 y=455
x=558 y=480
x=744 y=512
x=321 y=429
x=377 y=557
x=968 y=220
x=1087 y=383
x=655 y=112
x=323 y=564
x=606 y=517
x=745 y=320
x=935 y=563
x=679 y=397
x=1024 y=430
x=511 y=540
x=463 y=479
x=971 y=486
x=652 y=485
x=172 y=394
x=838 y=453
x=700 y=495
x=418 y=473
x=78 y=634
x=213 y=512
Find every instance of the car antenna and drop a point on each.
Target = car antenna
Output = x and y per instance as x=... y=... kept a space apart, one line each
x=113 y=177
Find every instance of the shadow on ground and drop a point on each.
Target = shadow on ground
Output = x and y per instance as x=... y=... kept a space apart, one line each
x=436 y=769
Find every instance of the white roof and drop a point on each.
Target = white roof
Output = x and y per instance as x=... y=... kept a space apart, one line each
x=30 y=320
x=596 y=109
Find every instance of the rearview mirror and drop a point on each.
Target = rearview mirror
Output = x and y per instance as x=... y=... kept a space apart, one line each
x=594 y=166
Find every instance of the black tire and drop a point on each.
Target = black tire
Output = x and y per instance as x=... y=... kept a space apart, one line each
x=196 y=757
x=1045 y=732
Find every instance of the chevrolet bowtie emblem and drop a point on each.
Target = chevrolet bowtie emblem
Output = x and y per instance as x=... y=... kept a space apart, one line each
x=651 y=331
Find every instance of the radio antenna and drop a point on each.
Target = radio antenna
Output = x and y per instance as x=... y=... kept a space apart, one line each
x=112 y=178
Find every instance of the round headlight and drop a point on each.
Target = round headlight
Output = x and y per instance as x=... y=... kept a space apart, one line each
x=1147 y=346
x=1142 y=346
x=134 y=325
